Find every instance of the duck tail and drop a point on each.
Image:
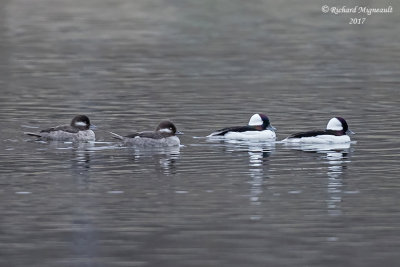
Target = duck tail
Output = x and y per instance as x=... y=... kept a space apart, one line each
x=33 y=134
x=117 y=136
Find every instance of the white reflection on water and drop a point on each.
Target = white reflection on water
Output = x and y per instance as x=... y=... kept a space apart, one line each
x=337 y=157
x=258 y=158
x=259 y=153
x=335 y=181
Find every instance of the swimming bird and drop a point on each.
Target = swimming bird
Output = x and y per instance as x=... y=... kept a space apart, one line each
x=258 y=128
x=337 y=131
x=80 y=129
x=163 y=136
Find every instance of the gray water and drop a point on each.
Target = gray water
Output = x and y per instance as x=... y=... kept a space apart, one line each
x=204 y=65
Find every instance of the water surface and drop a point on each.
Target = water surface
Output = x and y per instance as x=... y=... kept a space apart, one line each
x=205 y=65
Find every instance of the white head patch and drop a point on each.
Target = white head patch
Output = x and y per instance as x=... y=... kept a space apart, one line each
x=80 y=123
x=335 y=125
x=255 y=120
x=165 y=130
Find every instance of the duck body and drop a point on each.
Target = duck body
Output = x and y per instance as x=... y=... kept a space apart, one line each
x=79 y=129
x=258 y=128
x=244 y=133
x=163 y=136
x=336 y=132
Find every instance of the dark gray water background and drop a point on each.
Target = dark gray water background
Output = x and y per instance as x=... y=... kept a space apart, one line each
x=204 y=65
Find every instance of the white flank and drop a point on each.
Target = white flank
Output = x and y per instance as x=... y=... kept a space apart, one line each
x=265 y=135
x=321 y=139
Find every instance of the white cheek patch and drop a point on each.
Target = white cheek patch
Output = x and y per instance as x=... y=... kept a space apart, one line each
x=334 y=124
x=165 y=130
x=80 y=123
x=255 y=120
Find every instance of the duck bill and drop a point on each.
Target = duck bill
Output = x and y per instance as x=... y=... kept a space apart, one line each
x=179 y=133
x=271 y=128
x=350 y=132
x=93 y=127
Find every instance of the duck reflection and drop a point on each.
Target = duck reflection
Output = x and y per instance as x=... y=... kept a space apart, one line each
x=80 y=164
x=258 y=161
x=164 y=158
x=337 y=158
x=258 y=155
x=337 y=161
x=263 y=149
x=82 y=153
x=78 y=160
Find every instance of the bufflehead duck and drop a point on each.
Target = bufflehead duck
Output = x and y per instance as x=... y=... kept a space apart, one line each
x=78 y=130
x=258 y=128
x=163 y=136
x=336 y=131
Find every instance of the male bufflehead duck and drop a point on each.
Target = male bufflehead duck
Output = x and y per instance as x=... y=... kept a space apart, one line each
x=258 y=128
x=78 y=130
x=163 y=136
x=336 y=131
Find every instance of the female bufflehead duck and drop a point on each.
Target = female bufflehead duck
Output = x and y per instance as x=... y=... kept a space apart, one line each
x=164 y=135
x=258 y=128
x=336 y=131
x=78 y=130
